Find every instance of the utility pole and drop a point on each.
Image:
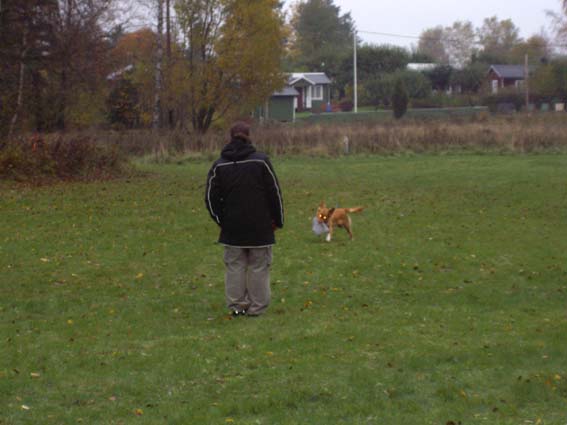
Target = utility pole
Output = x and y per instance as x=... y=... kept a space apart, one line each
x=156 y=119
x=167 y=31
x=168 y=62
x=355 y=94
x=527 y=81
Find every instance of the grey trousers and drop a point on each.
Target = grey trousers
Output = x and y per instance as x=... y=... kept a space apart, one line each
x=247 y=278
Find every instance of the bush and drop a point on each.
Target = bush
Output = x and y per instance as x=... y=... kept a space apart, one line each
x=417 y=85
x=378 y=90
x=346 y=105
x=462 y=100
x=550 y=80
x=61 y=158
x=430 y=102
x=442 y=100
x=495 y=101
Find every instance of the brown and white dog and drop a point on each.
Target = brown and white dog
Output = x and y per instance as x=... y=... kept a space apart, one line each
x=336 y=217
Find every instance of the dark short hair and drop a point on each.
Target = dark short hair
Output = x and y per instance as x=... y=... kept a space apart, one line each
x=240 y=129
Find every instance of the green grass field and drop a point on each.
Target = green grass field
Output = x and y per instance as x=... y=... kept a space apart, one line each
x=449 y=307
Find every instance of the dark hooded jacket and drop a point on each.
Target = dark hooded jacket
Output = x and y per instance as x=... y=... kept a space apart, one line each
x=243 y=196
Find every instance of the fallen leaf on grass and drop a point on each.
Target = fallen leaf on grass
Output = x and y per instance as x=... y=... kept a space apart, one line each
x=139 y=275
x=35 y=375
x=25 y=407
x=138 y=412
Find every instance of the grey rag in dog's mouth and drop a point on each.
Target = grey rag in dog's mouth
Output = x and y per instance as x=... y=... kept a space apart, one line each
x=319 y=228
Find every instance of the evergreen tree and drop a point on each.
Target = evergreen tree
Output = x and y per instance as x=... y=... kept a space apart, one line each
x=400 y=99
x=322 y=36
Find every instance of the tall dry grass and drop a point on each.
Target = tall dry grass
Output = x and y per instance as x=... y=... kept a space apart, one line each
x=518 y=133
x=515 y=134
x=481 y=133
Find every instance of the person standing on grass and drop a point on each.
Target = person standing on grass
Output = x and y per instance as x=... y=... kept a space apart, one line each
x=244 y=198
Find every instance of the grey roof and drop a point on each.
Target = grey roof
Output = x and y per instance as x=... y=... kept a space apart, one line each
x=510 y=71
x=120 y=72
x=286 y=91
x=318 y=77
x=311 y=77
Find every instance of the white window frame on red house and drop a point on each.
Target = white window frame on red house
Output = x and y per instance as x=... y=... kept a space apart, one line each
x=495 y=86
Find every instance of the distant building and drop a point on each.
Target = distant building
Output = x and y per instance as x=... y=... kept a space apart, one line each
x=280 y=106
x=422 y=67
x=314 y=90
x=502 y=76
x=303 y=91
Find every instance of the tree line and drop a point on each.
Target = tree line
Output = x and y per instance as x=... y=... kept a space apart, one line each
x=460 y=52
x=69 y=64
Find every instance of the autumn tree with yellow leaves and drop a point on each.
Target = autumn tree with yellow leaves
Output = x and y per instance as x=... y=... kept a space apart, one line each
x=234 y=51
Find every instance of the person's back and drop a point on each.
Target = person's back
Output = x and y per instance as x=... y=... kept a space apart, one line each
x=243 y=197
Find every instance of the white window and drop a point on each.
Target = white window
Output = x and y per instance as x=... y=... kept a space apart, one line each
x=317 y=92
x=494 y=86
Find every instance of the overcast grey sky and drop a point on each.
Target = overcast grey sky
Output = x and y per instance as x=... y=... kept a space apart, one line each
x=410 y=17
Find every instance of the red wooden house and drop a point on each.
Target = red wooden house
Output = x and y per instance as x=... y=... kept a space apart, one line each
x=502 y=76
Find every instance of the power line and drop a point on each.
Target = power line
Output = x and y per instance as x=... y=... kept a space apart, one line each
x=390 y=34
x=415 y=37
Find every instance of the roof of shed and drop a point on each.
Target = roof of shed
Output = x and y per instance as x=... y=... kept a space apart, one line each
x=311 y=77
x=510 y=71
x=286 y=91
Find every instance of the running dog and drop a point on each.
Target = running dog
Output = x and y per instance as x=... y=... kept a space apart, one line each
x=336 y=217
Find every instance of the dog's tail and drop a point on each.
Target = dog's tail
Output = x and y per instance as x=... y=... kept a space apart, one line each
x=355 y=210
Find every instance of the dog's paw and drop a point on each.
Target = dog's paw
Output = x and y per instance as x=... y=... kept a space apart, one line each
x=328 y=238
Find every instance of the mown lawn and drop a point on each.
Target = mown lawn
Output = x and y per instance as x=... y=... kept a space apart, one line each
x=448 y=307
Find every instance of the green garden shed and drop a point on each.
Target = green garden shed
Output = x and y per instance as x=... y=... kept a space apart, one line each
x=280 y=106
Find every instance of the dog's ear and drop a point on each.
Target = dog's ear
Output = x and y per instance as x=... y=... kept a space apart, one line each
x=322 y=205
x=330 y=212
